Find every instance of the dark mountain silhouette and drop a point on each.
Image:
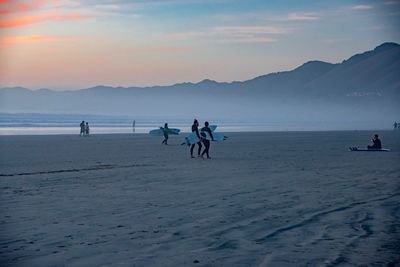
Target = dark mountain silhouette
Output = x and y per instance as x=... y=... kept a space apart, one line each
x=366 y=86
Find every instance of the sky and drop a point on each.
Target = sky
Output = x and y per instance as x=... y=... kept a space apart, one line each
x=73 y=44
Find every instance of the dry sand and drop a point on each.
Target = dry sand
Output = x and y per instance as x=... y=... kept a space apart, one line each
x=264 y=199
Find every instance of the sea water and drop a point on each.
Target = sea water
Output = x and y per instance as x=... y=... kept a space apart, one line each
x=43 y=124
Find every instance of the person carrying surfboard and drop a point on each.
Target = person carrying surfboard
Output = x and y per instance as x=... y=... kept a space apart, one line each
x=377 y=144
x=204 y=131
x=195 y=129
x=165 y=130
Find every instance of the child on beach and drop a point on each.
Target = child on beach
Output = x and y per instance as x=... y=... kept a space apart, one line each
x=87 y=128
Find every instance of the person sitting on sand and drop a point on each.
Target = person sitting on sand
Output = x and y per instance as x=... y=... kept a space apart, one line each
x=376 y=143
x=165 y=130
x=195 y=129
x=87 y=128
x=206 y=142
x=82 y=128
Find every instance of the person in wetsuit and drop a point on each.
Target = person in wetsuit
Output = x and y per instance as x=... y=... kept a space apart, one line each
x=165 y=130
x=195 y=129
x=377 y=144
x=82 y=125
x=205 y=141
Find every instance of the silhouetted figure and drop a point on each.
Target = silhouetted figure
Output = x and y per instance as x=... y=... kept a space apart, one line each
x=87 y=129
x=376 y=143
x=133 y=125
x=395 y=125
x=206 y=142
x=195 y=129
x=165 y=130
x=82 y=128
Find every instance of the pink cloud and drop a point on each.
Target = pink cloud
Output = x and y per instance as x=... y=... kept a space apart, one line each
x=10 y=40
x=361 y=7
x=248 y=30
x=302 y=16
x=29 y=20
x=13 y=6
x=237 y=34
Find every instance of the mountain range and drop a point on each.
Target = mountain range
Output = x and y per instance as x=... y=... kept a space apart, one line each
x=365 y=86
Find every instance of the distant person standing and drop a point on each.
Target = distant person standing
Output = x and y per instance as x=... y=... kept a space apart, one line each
x=165 y=131
x=206 y=142
x=82 y=128
x=395 y=125
x=87 y=128
x=195 y=129
x=133 y=125
x=376 y=143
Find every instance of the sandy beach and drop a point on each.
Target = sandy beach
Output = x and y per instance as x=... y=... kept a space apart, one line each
x=264 y=199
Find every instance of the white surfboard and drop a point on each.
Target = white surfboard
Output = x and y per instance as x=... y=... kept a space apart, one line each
x=217 y=136
x=194 y=139
x=369 y=149
x=160 y=132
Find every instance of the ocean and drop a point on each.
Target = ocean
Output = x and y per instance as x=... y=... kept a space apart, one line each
x=48 y=124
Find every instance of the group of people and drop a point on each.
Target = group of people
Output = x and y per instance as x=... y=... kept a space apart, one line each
x=84 y=129
x=201 y=135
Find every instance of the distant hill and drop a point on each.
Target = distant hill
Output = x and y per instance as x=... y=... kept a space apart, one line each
x=366 y=84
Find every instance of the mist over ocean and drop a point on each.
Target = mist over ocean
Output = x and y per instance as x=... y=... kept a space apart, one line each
x=44 y=124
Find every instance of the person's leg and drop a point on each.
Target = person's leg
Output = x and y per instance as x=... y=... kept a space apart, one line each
x=208 y=149
x=199 y=150
x=205 y=148
x=191 y=149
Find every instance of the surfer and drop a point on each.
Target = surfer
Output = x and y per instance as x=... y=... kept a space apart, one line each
x=206 y=142
x=82 y=128
x=165 y=131
x=376 y=143
x=195 y=129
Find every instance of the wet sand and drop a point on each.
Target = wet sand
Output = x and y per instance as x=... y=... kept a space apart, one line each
x=264 y=199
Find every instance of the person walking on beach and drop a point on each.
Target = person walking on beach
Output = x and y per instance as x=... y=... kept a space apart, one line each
x=395 y=125
x=195 y=129
x=206 y=142
x=165 y=130
x=133 y=125
x=377 y=144
x=87 y=128
x=82 y=128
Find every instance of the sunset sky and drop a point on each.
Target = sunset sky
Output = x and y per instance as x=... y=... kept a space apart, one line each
x=65 y=44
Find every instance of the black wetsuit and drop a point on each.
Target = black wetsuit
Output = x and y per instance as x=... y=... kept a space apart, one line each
x=205 y=141
x=377 y=144
x=195 y=129
x=165 y=141
x=82 y=128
